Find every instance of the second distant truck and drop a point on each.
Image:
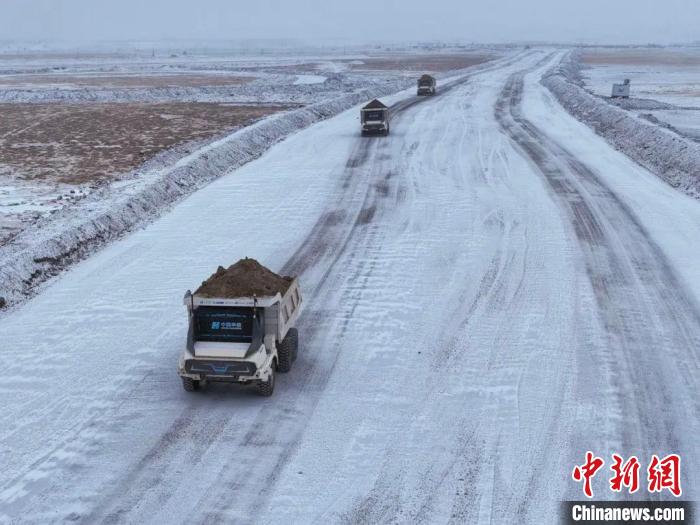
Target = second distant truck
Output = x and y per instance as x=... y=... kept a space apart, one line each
x=426 y=85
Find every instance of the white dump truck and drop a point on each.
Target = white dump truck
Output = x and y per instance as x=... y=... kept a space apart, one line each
x=375 y=118
x=621 y=90
x=241 y=328
x=426 y=85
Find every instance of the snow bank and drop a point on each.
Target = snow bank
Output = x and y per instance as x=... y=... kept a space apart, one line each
x=72 y=233
x=670 y=156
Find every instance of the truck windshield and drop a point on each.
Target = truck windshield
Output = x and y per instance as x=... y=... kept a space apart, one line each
x=224 y=325
x=374 y=115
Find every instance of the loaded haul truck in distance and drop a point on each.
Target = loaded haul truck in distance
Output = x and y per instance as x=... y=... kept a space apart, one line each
x=241 y=328
x=426 y=85
x=375 y=119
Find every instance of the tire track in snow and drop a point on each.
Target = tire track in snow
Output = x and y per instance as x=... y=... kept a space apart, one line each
x=476 y=365
x=354 y=246
x=453 y=470
x=373 y=200
x=158 y=474
x=338 y=227
x=652 y=323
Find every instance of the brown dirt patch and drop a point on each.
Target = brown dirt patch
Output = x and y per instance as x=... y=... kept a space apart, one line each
x=643 y=57
x=82 y=143
x=245 y=278
x=123 y=81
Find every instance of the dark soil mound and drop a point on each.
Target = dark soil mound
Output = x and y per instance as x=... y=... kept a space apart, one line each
x=244 y=279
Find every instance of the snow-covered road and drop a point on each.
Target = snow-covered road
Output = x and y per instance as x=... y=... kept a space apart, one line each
x=491 y=291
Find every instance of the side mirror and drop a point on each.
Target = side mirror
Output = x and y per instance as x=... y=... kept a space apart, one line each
x=188 y=300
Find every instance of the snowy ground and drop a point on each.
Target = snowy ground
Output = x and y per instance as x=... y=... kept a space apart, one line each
x=275 y=78
x=677 y=85
x=22 y=203
x=491 y=291
x=685 y=121
x=136 y=108
x=670 y=76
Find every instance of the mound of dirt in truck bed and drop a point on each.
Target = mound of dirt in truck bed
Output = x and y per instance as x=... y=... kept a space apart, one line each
x=244 y=279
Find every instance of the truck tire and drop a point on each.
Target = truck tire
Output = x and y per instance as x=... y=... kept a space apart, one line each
x=286 y=351
x=189 y=384
x=266 y=388
x=294 y=334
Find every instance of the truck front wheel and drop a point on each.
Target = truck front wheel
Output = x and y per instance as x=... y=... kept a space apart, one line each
x=266 y=388
x=189 y=384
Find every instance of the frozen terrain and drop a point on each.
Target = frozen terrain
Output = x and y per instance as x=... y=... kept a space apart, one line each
x=75 y=122
x=678 y=85
x=216 y=77
x=490 y=291
x=665 y=83
x=661 y=148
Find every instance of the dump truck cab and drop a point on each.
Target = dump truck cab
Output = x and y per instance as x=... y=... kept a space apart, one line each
x=374 y=118
x=426 y=85
x=240 y=339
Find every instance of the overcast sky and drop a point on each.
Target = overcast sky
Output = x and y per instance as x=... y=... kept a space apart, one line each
x=468 y=20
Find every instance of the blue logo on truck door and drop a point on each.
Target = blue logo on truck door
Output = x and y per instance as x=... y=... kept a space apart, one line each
x=226 y=325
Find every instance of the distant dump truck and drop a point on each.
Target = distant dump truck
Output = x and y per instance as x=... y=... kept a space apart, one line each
x=375 y=118
x=426 y=85
x=241 y=328
x=621 y=90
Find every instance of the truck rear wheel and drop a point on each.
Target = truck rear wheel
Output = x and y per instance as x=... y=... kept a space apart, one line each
x=189 y=384
x=266 y=388
x=292 y=339
x=287 y=350
x=294 y=334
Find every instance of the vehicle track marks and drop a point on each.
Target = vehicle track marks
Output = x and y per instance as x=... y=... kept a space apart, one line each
x=653 y=325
